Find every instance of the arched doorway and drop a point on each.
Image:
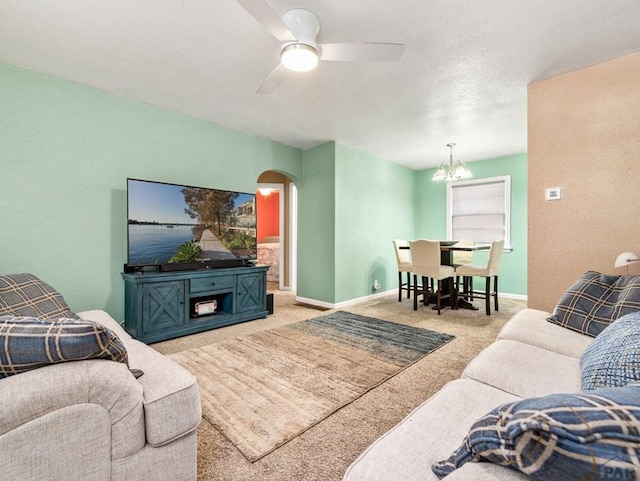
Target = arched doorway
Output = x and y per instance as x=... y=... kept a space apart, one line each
x=276 y=208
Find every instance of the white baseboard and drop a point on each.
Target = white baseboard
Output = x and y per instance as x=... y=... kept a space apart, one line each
x=519 y=297
x=359 y=300
x=350 y=302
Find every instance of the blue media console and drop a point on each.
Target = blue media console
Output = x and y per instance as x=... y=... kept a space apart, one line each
x=160 y=306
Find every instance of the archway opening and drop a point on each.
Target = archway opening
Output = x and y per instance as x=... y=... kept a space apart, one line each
x=276 y=208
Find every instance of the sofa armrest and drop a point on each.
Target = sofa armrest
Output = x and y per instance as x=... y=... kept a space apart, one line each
x=33 y=394
x=170 y=395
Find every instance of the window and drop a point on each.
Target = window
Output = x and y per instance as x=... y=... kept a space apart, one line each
x=479 y=210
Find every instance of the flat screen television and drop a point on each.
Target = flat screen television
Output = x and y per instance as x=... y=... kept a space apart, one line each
x=181 y=227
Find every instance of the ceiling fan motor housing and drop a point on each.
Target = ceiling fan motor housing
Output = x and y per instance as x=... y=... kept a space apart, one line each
x=304 y=25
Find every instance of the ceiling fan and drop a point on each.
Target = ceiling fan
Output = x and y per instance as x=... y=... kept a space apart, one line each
x=297 y=30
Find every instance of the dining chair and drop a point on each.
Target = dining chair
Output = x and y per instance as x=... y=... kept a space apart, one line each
x=462 y=258
x=403 y=257
x=489 y=271
x=425 y=256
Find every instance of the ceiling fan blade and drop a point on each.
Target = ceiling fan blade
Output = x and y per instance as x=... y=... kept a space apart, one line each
x=361 y=52
x=273 y=80
x=268 y=18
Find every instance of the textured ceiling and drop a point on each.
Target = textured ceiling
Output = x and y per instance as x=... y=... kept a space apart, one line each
x=463 y=76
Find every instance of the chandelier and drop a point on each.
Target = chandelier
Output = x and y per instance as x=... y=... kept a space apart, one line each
x=452 y=171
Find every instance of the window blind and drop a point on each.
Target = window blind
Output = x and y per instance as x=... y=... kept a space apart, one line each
x=479 y=211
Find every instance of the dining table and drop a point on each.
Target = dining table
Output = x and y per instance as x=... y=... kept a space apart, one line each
x=447 y=248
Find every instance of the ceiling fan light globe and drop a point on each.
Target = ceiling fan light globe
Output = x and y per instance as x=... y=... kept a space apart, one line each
x=299 y=57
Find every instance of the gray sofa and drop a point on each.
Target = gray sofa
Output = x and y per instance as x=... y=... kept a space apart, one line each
x=92 y=420
x=531 y=357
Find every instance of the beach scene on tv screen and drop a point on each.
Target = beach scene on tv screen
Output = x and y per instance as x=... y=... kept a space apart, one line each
x=172 y=223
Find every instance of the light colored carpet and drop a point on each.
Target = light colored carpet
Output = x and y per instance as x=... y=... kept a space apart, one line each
x=262 y=390
x=324 y=452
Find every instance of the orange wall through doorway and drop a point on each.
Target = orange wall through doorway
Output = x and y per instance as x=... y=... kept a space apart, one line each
x=268 y=209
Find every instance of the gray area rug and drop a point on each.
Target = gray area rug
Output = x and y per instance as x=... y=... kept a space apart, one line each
x=264 y=389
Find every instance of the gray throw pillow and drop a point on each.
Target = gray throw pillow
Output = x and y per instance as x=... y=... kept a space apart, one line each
x=596 y=300
x=26 y=295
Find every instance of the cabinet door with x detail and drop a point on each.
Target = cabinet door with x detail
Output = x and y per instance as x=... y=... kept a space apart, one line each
x=163 y=306
x=250 y=292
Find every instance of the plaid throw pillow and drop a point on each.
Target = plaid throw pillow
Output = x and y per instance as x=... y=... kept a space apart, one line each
x=28 y=343
x=613 y=358
x=26 y=295
x=595 y=301
x=592 y=436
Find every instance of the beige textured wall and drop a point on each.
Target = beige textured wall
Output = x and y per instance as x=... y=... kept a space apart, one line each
x=584 y=136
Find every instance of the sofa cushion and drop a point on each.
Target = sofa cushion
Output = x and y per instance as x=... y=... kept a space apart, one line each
x=596 y=300
x=530 y=326
x=613 y=358
x=524 y=370
x=430 y=433
x=26 y=295
x=29 y=343
x=560 y=436
x=106 y=320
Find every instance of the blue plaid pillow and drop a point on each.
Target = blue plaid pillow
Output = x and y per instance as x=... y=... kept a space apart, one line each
x=613 y=358
x=559 y=437
x=596 y=300
x=29 y=343
x=26 y=295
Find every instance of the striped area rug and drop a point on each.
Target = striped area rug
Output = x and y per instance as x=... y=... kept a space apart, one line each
x=264 y=389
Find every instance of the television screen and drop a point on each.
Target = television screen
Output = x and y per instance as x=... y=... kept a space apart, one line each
x=169 y=223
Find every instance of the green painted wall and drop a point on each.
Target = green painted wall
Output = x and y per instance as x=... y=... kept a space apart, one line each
x=351 y=207
x=432 y=220
x=316 y=225
x=375 y=204
x=65 y=153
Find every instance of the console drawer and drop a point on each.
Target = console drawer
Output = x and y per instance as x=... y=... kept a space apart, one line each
x=214 y=283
